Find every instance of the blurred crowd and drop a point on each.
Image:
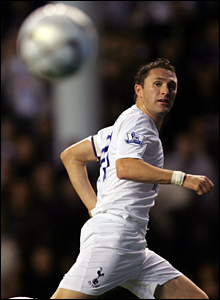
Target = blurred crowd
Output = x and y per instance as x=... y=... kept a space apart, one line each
x=41 y=213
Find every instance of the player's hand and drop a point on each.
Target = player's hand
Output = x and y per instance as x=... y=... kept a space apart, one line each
x=200 y=184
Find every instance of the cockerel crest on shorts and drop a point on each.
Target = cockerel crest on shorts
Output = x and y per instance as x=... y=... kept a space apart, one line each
x=95 y=282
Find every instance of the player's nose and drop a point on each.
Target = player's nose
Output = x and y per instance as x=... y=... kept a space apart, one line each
x=164 y=90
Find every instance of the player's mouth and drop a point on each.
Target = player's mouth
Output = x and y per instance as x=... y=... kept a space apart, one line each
x=166 y=101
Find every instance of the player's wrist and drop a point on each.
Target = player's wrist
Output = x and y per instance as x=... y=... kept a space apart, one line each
x=178 y=178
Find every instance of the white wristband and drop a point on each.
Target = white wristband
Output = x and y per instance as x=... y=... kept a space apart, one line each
x=177 y=178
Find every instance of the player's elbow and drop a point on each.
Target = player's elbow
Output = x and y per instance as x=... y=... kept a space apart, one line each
x=67 y=154
x=63 y=155
x=122 y=169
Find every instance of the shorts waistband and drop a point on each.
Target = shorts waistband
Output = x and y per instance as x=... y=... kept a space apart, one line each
x=120 y=219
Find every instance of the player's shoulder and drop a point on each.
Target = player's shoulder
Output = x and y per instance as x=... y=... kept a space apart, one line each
x=134 y=117
x=130 y=114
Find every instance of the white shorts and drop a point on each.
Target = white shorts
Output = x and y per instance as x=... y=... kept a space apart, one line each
x=113 y=253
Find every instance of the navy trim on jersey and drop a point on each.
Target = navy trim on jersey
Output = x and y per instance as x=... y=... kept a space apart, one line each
x=93 y=144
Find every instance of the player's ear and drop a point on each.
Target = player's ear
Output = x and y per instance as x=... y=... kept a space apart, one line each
x=138 y=90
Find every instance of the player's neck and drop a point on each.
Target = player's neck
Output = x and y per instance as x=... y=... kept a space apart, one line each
x=157 y=119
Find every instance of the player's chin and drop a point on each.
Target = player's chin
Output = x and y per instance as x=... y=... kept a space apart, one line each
x=164 y=112
x=163 y=109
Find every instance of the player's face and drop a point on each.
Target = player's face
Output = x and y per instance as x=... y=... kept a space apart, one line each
x=159 y=92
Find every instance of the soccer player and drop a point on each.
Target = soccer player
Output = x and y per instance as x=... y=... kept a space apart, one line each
x=113 y=250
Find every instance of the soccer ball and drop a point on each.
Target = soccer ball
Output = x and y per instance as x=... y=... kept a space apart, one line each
x=56 y=41
x=20 y=297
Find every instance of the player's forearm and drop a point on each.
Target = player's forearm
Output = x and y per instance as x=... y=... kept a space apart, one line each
x=78 y=175
x=137 y=170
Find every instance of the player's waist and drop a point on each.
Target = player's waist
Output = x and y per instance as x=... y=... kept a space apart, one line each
x=125 y=220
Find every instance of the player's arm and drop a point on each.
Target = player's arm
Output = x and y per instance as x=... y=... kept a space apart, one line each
x=140 y=171
x=74 y=159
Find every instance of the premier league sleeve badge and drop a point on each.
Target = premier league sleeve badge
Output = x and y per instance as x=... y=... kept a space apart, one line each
x=134 y=138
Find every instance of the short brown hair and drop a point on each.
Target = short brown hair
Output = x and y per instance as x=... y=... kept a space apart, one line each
x=143 y=71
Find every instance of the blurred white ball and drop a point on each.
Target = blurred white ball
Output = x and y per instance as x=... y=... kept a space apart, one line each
x=57 y=40
x=21 y=298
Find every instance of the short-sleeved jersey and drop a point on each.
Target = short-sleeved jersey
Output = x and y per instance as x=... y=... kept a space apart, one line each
x=134 y=135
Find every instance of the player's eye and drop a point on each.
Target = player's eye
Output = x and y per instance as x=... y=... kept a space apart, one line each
x=157 y=83
x=172 y=86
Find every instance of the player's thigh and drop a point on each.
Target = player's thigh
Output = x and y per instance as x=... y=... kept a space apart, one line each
x=179 y=288
x=69 y=294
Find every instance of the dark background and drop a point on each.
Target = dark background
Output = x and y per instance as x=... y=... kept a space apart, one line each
x=41 y=214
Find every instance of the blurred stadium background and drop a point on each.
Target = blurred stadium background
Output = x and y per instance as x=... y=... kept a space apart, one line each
x=41 y=215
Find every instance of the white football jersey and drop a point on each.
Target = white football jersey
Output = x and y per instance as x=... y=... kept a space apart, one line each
x=134 y=135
